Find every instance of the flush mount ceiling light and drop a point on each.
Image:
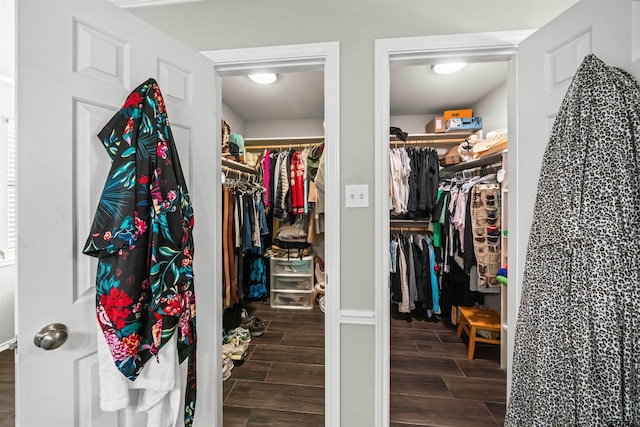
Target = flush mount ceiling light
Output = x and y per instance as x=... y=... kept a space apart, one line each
x=264 y=78
x=448 y=68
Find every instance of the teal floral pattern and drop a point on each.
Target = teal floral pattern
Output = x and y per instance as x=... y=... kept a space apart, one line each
x=142 y=237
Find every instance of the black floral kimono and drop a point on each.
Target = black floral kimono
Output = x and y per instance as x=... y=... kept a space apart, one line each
x=141 y=234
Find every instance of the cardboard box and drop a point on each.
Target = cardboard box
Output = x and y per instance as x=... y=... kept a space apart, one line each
x=468 y=123
x=437 y=125
x=451 y=158
x=457 y=114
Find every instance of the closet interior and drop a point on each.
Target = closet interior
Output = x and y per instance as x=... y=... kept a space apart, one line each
x=448 y=241
x=273 y=255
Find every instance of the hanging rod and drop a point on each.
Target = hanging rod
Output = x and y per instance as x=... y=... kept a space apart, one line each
x=449 y=141
x=264 y=143
x=280 y=146
x=239 y=174
x=444 y=137
x=421 y=229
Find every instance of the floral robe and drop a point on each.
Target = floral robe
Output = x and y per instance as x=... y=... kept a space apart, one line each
x=141 y=234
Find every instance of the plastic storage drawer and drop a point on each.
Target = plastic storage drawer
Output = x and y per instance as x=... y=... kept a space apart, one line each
x=292 y=299
x=291 y=283
x=292 y=266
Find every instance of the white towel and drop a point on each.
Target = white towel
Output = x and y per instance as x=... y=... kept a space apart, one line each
x=159 y=384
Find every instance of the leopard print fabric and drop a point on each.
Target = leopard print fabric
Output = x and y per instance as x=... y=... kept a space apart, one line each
x=577 y=344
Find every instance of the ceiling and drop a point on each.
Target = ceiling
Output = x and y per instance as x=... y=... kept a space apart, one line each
x=415 y=90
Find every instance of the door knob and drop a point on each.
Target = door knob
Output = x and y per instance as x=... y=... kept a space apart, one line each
x=51 y=336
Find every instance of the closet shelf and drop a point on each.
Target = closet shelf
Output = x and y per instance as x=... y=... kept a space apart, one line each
x=419 y=225
x=446 y=138
x=483 y=161
x=410 y=221
x=231 y=164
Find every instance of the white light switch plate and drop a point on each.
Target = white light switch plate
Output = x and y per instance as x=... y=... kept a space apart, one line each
x=356 y=196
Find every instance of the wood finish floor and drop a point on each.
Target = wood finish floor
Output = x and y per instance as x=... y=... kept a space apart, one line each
x=282 y=381
x=434 y=384
x=7 y=393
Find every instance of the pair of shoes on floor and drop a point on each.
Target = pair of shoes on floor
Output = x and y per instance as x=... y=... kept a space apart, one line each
x=227 y=366
x=254 y=324
x=235 y=344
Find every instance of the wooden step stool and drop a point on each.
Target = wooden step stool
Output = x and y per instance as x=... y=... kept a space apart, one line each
x=472 y=319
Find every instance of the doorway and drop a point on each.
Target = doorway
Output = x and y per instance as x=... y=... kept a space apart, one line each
x=289 y=59
x=429 y=370
x=485 y=47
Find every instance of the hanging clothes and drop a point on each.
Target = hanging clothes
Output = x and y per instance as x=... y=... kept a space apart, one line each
x=142 y=237
x=319 y=182
x=266 y=176
x=486 y=230
x=282 y=187
x=245 y=228
x=576 y=357
x=454 y=254
x=400 y=171
x=413 y=181
x=297 y=183
x=228 y=252
x=255 y=269
x=414 y=282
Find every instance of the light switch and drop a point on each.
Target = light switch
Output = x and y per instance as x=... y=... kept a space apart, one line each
x=356 y=196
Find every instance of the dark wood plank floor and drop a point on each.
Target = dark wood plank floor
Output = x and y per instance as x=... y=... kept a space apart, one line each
x=7 y=389
x=434 y=384
x=282 y=381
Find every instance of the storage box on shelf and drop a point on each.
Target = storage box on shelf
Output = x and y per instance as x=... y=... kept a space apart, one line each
x=457 y=114
x=451 y=158
x=437 y=125
x=292 y=283
x=465 y=123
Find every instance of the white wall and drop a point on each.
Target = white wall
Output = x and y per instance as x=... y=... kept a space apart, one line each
x=493 y=109
x=355 y=24
x=284 y=128
x=271 y=128
x=237 y=123
x=7 y=39
x=411 y=124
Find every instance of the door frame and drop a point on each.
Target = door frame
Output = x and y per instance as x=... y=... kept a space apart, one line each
x=313 y=56
x=490 y=46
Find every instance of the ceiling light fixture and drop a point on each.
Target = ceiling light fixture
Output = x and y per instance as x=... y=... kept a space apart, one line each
x=448 y=68
x=264 y=78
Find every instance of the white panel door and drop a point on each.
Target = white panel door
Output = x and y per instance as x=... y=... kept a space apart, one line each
x=547 y=62
x=77 y=62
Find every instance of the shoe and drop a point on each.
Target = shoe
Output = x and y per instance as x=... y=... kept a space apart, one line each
x=227 y=366
x=235 y=344
x=238 y=335
x=322 y=303
x=234 y=351
x=255 y=325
